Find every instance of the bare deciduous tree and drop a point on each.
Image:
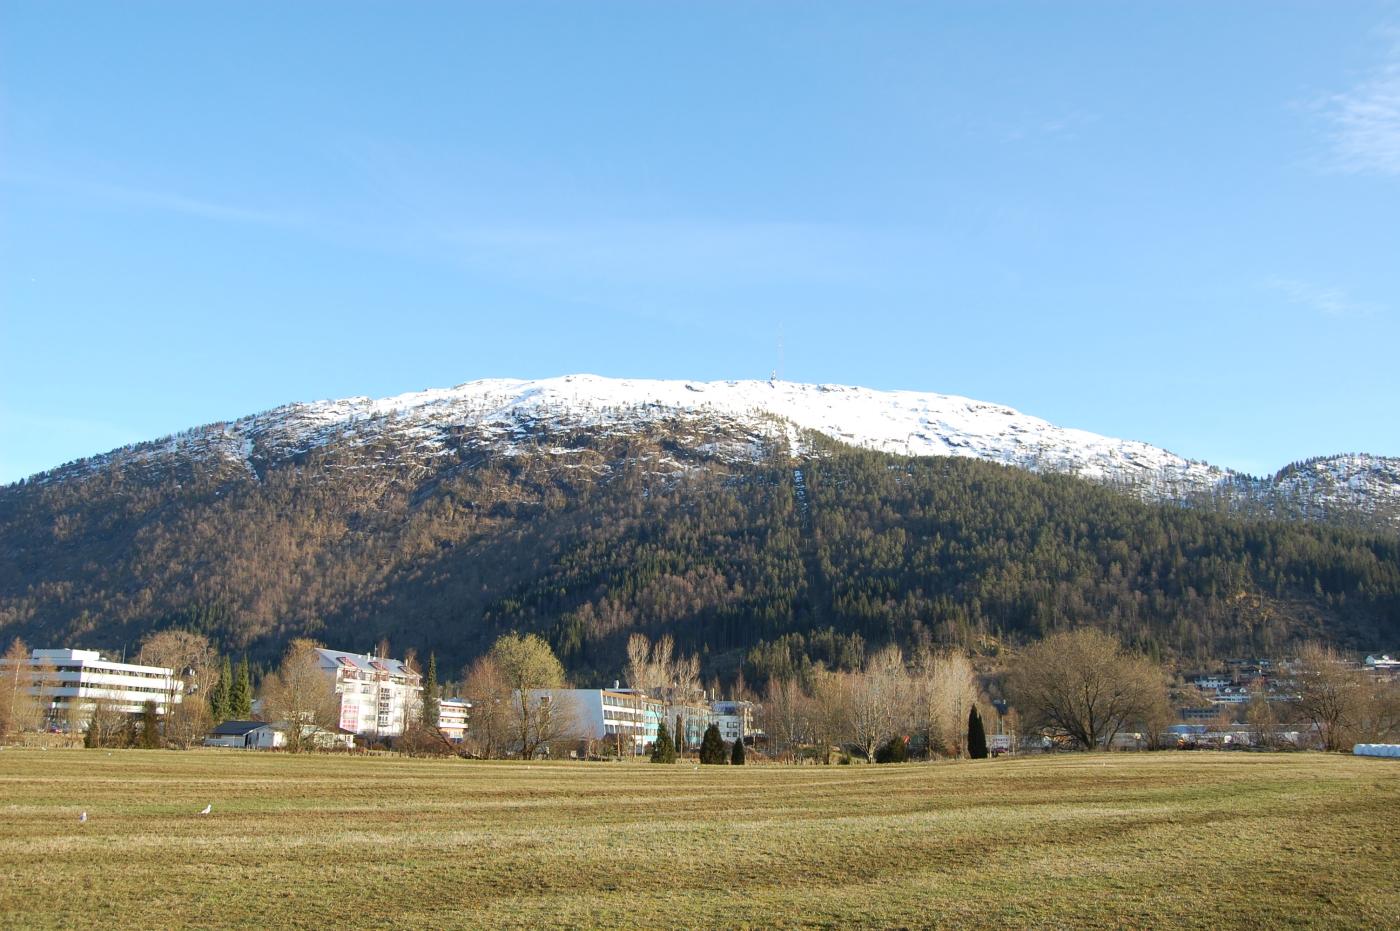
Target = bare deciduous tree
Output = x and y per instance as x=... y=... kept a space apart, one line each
x=786 y=716
x=878 y=701
x=1332 y=696
x=1081 y=684
x=20 y=710
x=830 y=710
x=1262 y=721
x=944 y=689
x=489 y=728
x=658 y=672
x=106 y=725
x=301 y=694
x=194 y=666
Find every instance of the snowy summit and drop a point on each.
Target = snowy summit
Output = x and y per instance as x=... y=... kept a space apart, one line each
x=505 y=412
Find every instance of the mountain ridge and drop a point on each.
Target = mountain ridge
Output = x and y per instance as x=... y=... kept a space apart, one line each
x=756 y=542
x=1356 y=488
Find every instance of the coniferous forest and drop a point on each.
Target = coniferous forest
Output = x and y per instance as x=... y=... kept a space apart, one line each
x=762 y=565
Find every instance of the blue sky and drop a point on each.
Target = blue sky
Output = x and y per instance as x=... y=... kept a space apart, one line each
x=1174 y=222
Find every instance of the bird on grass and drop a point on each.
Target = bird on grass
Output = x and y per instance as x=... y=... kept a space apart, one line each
x=207 y=809
x=82 y=818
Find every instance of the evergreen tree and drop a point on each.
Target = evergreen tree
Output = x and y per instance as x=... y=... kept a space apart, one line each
x=894 y=750
x=663 y=750
x=431 y=698
x=150 y=727
x=240 y=695
x=680 y=737
x=712 y=746
x=129 y=734
x=219 y=694
x=976 y=735
x=737 y=757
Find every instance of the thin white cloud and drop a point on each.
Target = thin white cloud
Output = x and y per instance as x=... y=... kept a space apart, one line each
x=1329 y=301
x=684 y=251
x=1066 y=124
x=163 y=201
x=1366 y=120
x=197 y=207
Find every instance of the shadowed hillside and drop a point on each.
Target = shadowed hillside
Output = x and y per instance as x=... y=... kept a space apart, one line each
x=769 y=561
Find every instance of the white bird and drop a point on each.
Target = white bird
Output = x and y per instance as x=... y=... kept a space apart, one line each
x=82 y=818
x=207 y=809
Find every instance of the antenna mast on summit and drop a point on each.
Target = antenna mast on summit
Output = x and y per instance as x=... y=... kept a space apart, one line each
x=778 y=372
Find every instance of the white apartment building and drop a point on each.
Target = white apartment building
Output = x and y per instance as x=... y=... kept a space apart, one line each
x=71 y=682
x=735 y=719
x=695 y=717
x=378 y=697
x=452 y=718
x=622 y=717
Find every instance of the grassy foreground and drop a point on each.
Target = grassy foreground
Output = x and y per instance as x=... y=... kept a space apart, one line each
x=1123 y=840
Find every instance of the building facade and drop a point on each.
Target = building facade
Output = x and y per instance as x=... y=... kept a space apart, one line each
x=735 y=719
x=453 y=714
x=70 y=683
x=625 y=719
x=694 y=716
x=379 y=697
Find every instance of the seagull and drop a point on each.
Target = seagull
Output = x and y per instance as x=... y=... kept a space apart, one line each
x=207 y=809
x=82 y=818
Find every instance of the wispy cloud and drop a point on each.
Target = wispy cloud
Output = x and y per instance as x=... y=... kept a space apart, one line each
x=197 y=207
x=1366 y=119
x=679 y=251
x=162 y=201
x=1067 y=124
x=1329 y=301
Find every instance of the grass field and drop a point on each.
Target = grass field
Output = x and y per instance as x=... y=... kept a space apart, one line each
x=1205 y=840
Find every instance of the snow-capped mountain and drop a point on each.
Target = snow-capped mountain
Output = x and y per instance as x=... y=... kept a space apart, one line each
x=508 y=413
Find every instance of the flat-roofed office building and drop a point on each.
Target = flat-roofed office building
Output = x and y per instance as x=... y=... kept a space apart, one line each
x=70 y=683
x=621 y=717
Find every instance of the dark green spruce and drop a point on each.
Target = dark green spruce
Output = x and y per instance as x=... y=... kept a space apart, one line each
x=240 y=696
x=663 y=749
x=976 y=735
x=431 y=697
x=712 y=746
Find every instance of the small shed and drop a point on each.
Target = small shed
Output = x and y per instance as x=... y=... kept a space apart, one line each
x=232 y=734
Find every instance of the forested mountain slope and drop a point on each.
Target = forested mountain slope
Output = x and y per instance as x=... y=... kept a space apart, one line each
x=788 y=553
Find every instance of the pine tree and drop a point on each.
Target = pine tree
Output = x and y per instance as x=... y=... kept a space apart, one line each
x=712 y=746
x=737 y=757
x=219 y=695
x=663 y=750
x=240 y=696
x=976 y=735
x=431 y=698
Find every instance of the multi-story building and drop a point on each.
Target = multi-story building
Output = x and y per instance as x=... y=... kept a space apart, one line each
x=379 y=697
x=70 y=683
x=735 y=719
x=453 y=714
x=624 y=718
x=694 y=716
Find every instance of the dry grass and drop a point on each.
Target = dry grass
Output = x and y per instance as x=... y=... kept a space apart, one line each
x=1146 y=840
